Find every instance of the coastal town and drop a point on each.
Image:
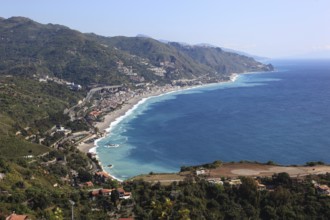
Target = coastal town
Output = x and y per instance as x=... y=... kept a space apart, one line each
x=103 y=104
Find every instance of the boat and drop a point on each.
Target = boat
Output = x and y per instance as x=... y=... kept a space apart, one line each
x=111 y=145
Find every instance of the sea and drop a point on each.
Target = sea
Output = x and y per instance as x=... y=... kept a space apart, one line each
x=281 y=116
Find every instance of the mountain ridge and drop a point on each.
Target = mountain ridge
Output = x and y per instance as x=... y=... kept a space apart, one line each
x=29 y=47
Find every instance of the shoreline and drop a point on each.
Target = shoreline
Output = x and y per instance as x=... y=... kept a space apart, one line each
x=114 y=117
x=117 y=115
x=111 y=117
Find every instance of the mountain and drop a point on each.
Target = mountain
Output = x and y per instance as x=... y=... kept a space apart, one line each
x=220 y=60
x=28 y=48
x=176 y=64
x=256 y=57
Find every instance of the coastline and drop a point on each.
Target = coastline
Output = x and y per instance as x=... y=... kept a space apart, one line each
x=114 y=117
x=105 y=125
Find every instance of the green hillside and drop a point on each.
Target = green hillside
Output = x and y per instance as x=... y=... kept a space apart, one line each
x=221 y=61
x=30 y=48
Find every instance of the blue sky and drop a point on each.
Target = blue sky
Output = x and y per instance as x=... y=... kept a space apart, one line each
x=273 y=28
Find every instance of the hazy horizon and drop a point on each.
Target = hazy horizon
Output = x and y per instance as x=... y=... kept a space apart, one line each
x=275 y=29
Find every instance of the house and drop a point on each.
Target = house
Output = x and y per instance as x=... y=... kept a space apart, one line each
x=200 y=172
x=94 y=114
x=102 y=176
x=100 y=192
x=60 y=128
x=89 y=184
x=127 y=195
x=17 y=217
x=323 y=189
x=235 y=182
x=105 y=192
x=123 y=194
x=261 y=187
x=95 y=193
x=215 y=181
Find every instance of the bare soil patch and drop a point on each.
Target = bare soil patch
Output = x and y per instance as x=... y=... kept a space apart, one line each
x=255 y=170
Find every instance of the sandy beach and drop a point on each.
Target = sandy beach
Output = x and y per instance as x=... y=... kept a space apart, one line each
x=84 y=147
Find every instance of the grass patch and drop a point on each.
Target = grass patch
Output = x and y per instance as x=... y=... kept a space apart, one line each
x=12 y=147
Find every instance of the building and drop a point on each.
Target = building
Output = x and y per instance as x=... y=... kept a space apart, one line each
x=89 y=184
x=105 y=192
x=101 y=176
x=17 y=217
x=323 y=189
x=200 y=172
x=215 y=180
x=123 y=194
x=235 y=182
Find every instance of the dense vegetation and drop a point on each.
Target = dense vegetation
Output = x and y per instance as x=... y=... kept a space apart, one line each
x=41 y=187
x=287 y=199
x=27 y=102
x=38 y=187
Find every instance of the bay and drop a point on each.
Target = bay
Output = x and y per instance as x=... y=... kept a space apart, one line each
x=282 y=116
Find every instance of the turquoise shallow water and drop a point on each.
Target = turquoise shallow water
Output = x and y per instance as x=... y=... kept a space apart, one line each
x=281 y=116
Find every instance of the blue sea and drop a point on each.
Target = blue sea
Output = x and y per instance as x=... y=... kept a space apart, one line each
x=282 y=116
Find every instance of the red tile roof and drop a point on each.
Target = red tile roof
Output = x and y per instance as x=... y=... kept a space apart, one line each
x=89 y=184
x=95 y=193
x=106 y=191
x=104 y=174
x=121 y=190
x=17 y=217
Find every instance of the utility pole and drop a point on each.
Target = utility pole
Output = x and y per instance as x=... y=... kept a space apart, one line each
x=72 y=204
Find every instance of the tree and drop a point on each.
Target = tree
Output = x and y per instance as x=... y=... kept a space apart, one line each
x=268 y=212
x=248 y=191
x=114 y=196
x=282 y=179
x=84 y=176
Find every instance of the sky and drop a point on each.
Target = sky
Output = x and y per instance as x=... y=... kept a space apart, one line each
x=270 y=28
